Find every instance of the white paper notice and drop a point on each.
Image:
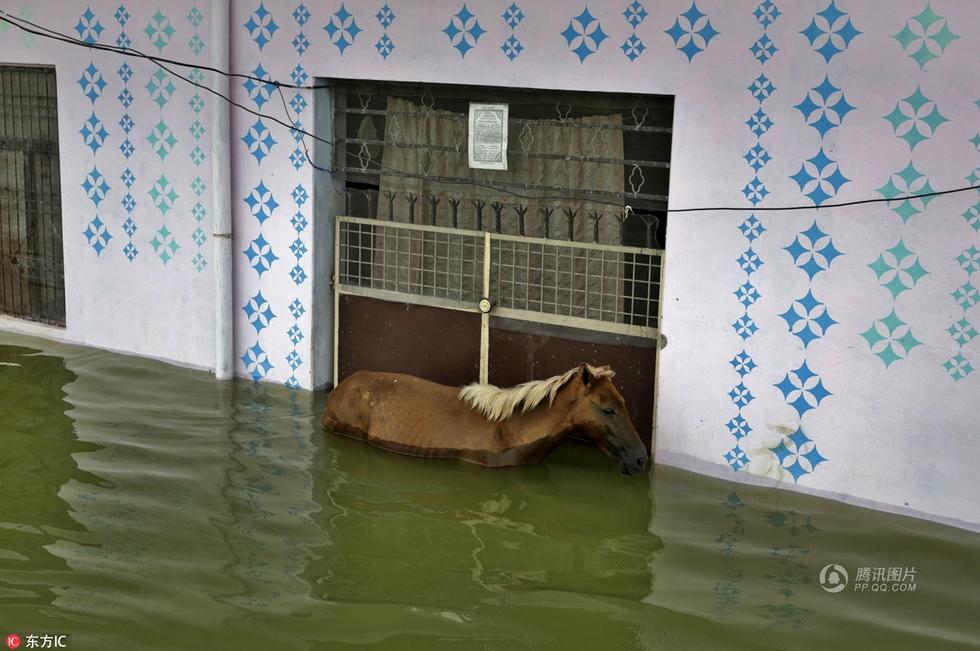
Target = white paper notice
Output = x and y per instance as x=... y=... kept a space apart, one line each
x=488 y=136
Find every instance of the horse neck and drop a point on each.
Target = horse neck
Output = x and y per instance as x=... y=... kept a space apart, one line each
x=543 y=426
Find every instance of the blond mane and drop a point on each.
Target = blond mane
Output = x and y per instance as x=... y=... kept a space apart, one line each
x=498 y=404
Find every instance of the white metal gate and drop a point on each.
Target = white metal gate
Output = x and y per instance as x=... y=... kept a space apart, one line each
x=596 y=287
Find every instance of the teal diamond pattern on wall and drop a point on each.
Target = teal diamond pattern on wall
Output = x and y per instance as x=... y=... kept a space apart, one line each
x=925 y=36
x=915 y=118
x=898 y=269
x=890 y=338
x=907 y=182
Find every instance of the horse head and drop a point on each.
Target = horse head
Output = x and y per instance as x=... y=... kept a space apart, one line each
x=599 y=412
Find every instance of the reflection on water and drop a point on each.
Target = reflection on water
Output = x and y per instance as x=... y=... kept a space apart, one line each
x=144 y=506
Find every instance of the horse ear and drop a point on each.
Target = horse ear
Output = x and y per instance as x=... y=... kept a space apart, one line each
x=587 y=376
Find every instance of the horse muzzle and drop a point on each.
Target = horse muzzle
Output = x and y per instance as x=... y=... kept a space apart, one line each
x=633 y=464
x=632 y=461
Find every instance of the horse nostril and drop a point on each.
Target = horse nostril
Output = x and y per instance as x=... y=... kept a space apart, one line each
x=641 y=462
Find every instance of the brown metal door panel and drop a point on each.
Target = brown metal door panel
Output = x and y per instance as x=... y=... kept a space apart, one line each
x=517 y=357
x=433 y=343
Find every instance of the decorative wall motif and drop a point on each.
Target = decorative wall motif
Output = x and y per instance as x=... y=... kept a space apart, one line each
x=824 y=107
x=464 y=30
x=584 y=35
x=635 y=13
x=342 y=29
x=692 y=31
x=761 y=89
x=512 y=46
x=925 y=36
x=261 y=26
x=830 y=32
x=385 y=18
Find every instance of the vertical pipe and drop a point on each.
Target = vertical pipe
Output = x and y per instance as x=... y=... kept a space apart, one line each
x=224 y=325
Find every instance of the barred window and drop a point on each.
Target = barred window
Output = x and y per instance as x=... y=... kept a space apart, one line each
x=32 y=284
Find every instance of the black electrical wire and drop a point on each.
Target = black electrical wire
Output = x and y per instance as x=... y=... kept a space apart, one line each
x=45 y=32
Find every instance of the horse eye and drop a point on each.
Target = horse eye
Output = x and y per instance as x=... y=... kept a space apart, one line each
x=609 y=411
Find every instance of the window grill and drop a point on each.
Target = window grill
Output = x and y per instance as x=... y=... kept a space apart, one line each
x=606 y=287
x=32 y=282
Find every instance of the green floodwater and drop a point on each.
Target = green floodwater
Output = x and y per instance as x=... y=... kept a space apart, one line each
x=148 y=507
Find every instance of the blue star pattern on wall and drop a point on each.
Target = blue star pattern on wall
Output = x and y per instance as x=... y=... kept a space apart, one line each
x=260 y=255
x=824 y=107
x=97 y=234
x=88 y=27
x=385 y=18
x=342 y=29
x=95 y=186
x=123 y=40
x=93 y=133
x=256 y=362
x=464 y=30
x=92 y=83
x=692 y=32
x=258 y=312
x=261 y=203
x=813 y=251
x=635 y=13
x=757 y=157
x=763 y=49
x=261 y=26
x=808 y=318
x=802 y=389
x=584 y=35
x=512 y=46
x=820 y=178
x=830 y=31
x=259 y=92
x=798 y=454
x=259 y=141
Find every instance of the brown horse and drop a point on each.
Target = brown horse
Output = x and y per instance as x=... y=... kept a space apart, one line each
x=483 y=424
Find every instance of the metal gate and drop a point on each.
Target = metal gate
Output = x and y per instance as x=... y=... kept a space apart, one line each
x=455 y=305
x=31 y=259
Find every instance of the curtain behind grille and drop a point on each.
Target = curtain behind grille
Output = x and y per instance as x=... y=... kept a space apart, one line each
x=421 y=142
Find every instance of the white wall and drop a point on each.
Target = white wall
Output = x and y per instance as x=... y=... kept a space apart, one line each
x=142 y=304
x=902 y=435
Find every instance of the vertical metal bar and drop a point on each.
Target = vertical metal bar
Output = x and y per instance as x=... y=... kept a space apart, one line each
x=485 y=316
x=659 y=348
x=336 y=302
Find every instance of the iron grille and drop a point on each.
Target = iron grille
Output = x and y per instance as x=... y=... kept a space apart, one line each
x=585 y=167
x=32 y=283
